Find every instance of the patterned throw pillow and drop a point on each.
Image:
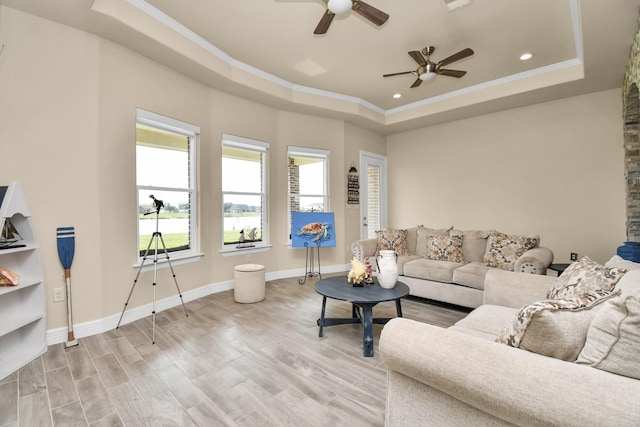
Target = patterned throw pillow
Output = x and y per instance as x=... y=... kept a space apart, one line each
x=555 y=328
x=583 y=276
x=503 y=250
x=423 y=233
x=393 y=240
x=445 y=248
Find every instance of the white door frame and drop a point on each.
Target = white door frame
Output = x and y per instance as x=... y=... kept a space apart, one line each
x=366 y=159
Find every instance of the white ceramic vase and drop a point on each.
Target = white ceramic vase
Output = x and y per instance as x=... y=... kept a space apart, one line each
x=387 y=262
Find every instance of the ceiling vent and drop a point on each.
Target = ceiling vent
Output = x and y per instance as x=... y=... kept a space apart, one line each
x=455 y=4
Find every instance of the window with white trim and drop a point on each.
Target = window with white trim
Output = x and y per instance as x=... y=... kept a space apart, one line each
x=244 y=194
x=165 y=169
x=307 y=178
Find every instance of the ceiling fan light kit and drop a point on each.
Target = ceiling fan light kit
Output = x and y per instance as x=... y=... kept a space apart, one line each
x=339 y=6
x=426 y=76
x=427 y=69
x=452 y=5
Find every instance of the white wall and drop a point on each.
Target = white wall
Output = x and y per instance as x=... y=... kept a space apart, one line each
x=555 y=169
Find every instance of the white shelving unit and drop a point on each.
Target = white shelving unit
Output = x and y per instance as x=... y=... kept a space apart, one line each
x=23 y=319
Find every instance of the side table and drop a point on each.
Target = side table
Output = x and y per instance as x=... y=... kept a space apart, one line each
x=559 y=268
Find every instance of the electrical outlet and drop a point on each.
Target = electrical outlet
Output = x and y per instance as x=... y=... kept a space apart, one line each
x=574 y=256
x=58 y=294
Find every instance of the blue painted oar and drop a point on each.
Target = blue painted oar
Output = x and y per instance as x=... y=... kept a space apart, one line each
x=66 y=249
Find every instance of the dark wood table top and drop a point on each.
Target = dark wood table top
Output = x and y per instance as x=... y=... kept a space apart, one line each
x=340 y=289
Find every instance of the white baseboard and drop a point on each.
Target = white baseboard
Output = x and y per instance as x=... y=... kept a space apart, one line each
x=94 y=327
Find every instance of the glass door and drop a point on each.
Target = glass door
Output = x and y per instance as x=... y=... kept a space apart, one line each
x=373 y=194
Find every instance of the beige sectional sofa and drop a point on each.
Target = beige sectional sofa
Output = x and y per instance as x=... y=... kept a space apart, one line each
x=430 y=275
x=460 y=376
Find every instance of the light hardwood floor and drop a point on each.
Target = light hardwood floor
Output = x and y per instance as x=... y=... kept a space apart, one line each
x=226 y=364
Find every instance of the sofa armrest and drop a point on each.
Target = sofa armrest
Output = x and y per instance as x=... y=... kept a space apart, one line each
x=364 y=248
x=511 y=289
x=534 y=261
x=510 y=384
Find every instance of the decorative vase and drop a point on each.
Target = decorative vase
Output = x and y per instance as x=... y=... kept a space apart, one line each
x=387 y=263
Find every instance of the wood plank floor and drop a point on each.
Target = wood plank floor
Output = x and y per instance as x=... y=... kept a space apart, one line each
x=226 y=364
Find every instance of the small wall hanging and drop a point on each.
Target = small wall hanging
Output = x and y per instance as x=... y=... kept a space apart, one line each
x=353 y=186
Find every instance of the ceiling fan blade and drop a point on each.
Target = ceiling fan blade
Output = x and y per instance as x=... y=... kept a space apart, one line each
x=456 y=57
x=324 y=23
x=451 y=73
x=398 y=74
x=374 y=15
x=417 y=56
x=417 y=83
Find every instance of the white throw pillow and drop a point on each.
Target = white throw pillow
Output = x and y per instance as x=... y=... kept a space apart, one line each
x=613 y=339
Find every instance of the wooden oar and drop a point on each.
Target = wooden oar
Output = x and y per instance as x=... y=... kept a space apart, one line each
x=66 y=249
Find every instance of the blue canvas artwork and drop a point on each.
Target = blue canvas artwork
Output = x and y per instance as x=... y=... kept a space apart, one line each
x=312 y=228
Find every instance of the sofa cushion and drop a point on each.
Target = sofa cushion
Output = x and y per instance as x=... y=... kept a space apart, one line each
x=556 y=328
x=583 y=276
x=474 y=244
x=487 y=319
x=613 y=339
x=421 y=238
x=438 y=271
x=503 y=250
x=445 y=248
x=402 y=260
x=471 y=275
x=392 y=240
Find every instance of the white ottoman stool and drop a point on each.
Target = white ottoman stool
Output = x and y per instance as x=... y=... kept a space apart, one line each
x=249 y=286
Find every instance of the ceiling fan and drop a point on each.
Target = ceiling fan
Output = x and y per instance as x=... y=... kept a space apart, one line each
x=428 y=70
x=337 y=7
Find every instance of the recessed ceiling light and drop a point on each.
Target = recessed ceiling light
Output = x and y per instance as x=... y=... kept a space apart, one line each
x=525 y=56
x=397 y=95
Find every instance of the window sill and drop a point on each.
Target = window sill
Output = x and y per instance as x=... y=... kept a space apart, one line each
x=163 y=262
x=233 y=251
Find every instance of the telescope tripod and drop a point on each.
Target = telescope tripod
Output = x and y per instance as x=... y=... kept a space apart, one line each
x=155 y=238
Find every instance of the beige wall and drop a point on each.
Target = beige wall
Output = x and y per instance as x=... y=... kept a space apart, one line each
x=67 y=126
x=357 y=139
x=555 y=169
x=68 y=103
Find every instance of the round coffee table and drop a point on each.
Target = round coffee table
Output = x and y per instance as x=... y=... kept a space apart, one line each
x=363 y=299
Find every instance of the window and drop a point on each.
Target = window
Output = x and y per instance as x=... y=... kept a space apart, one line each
x=165 y=169
x=244 y=197
x=307 y=177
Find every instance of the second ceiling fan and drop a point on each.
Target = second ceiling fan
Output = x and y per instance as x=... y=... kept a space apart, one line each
x=337 y=7
x=428 y=70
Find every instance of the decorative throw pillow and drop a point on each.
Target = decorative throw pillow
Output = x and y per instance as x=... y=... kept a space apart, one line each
x=423 y=233
x=619 y=262
x=613 y=340
x=503 y=250
x=393 y=240
x=555 y=328
x=583 y=276
x=445 y=248
x=475 y=244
